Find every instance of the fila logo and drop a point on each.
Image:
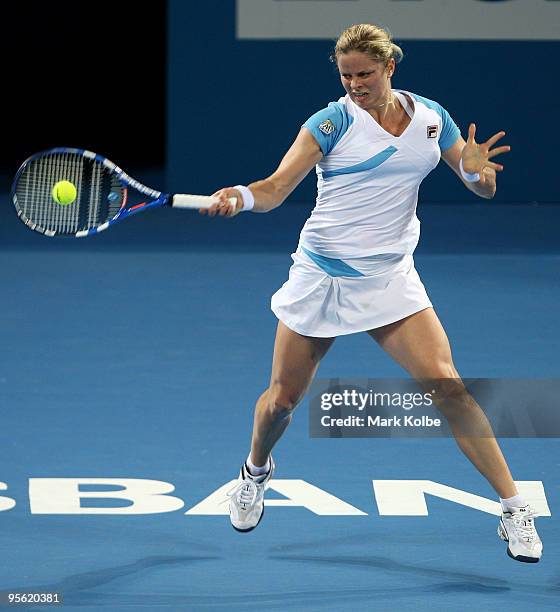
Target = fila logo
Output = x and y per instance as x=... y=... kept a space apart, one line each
x=327 y=127
x=432 y=131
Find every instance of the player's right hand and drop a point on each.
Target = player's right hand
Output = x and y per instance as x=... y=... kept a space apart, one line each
x=223 y=208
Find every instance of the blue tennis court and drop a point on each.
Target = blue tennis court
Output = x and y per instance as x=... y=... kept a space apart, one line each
x=135 y=357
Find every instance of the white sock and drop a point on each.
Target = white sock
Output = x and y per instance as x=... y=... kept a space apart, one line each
x=517 y=501
x=255 y=470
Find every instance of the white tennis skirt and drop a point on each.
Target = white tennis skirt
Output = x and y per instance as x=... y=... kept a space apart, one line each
x=314 y=303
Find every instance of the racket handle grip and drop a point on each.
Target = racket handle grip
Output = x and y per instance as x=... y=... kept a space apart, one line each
x=184 y=200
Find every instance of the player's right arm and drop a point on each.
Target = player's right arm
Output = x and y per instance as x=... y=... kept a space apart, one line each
x=270 y=192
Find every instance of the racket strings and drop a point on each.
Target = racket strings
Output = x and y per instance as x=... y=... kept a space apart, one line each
x=99 y=194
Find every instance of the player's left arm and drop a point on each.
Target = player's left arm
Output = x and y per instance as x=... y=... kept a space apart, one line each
x=476 y=159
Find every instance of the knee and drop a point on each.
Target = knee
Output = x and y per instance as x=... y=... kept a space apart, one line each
x=449 y=391
x=438 y=369
x=452 y=398
x=281 y=401
x=443 y=380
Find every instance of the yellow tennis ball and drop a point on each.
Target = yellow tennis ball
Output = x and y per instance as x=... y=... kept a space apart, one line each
x=64 y=192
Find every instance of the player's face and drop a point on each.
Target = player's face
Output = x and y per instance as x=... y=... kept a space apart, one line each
x=365 y=80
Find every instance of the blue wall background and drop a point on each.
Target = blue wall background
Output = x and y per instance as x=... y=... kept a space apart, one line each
x=234 y=107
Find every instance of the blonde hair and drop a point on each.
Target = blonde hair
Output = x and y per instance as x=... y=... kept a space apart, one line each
x=374 y=41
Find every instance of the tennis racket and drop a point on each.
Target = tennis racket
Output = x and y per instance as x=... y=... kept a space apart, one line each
x=104 y=195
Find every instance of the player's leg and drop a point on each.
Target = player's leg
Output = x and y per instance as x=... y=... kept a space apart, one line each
x=295 y=362
x=420 y=345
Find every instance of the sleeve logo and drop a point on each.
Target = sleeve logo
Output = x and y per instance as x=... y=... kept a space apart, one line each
x=327 y=127
x=432 y=131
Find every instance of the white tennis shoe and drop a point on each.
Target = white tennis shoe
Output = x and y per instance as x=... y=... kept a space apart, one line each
x=246 y=499
x=517 y=527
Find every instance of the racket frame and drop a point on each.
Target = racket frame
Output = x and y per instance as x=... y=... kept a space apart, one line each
x=158 y=198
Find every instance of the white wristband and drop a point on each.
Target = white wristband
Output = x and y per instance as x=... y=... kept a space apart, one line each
x=470 y=177
x=248 y=197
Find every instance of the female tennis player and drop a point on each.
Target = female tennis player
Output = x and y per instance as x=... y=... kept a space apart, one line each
x=353 y=270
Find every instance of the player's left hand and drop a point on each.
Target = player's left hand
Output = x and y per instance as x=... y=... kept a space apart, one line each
x=477 y=156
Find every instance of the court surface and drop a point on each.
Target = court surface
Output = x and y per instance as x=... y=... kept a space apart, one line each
x=140 y=355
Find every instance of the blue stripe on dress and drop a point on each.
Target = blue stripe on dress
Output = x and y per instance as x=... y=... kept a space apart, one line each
x=332 y=266
x=368 y=164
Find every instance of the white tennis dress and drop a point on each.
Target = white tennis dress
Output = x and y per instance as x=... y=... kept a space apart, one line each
x=353 y=269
